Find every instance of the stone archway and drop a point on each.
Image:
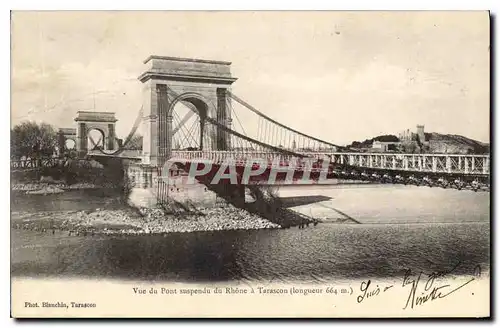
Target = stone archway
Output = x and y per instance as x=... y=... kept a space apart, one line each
x=65 y=134
x=168 y=80
x=68 y=142
x=202 y=108
x=95 y=138
x=102 y=121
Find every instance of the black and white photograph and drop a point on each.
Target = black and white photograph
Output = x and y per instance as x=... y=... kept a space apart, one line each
x=258 y=164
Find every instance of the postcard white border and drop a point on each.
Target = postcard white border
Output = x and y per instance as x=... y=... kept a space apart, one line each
x=213 y=5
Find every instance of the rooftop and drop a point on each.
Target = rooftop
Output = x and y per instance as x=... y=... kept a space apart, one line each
x=95 y=116
x=192 y=60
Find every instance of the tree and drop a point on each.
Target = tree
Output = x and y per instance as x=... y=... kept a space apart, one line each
x=33 y=140
x=387 y=138
x=392 y=147
x=369 y=142
x=410 y=148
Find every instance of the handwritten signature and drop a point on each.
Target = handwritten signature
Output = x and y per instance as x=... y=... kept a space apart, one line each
x=431 y=290
x=366 y=292
x=424 y=287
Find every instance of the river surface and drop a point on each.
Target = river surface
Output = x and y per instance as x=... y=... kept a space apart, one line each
x=401 y=227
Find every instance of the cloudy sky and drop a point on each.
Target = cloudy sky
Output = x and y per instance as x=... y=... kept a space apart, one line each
x=339 y=76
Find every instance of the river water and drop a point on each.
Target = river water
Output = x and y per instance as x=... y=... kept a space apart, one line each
x=401 y=227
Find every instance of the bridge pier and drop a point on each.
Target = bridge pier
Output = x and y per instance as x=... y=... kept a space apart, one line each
x=141 y=185
x=235 y=194
x=149 y=187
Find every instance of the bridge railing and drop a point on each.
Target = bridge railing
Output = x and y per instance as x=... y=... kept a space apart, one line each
x=432 y=163
x=240 y=156
x=33 y=163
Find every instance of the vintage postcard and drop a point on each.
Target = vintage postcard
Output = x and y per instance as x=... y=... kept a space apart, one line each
x=289 y=164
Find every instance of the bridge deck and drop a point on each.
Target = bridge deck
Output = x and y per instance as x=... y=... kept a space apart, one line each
x=432 y=163
x=127 y=154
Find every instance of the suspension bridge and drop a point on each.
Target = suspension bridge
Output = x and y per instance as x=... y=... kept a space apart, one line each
x=191 y=117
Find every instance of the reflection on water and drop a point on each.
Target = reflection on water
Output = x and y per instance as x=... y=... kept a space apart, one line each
x=327 y=251
x=397 y=204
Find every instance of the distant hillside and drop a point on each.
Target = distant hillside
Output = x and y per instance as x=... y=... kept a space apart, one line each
x=368 y=142
x=438 y=143
x=452 y=143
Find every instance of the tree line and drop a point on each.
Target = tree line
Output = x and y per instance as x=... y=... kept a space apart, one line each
x=30 y=139
x=369 y=142
x=33 y=140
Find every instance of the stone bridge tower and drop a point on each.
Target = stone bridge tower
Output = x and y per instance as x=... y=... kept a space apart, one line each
x=200 y=84
x=104 y=122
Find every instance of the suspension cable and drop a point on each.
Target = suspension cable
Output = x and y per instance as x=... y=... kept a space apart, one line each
x=256 y=111
x=227 y=130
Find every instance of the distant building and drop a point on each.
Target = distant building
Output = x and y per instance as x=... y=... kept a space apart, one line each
x=420 y=133
x=408 y=142
x=407 y=136
x=385 y=146
x=413 y=142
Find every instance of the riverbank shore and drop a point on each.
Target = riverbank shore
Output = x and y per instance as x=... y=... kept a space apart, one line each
x=51 y=187
x=109 y=214
x=139 y=221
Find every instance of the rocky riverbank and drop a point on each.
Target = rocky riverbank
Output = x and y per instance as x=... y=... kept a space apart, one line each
x=45 y=190
x=51 y=188
x=142 y=221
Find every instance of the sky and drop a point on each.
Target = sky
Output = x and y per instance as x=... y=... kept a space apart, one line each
x=339 y=76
